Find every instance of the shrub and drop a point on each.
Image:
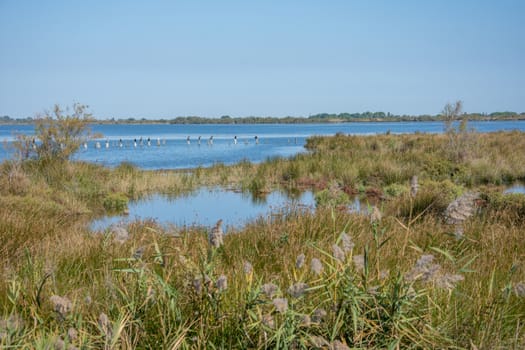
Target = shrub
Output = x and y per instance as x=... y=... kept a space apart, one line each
x=333 y=197
x=116 y=202
x=433 y=197
x=57 y=135
x=510 y=204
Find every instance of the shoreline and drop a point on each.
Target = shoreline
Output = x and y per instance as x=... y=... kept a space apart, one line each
x=211 y=121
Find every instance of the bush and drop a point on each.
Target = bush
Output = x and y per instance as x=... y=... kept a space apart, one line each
x=512 y=204
x=331 y=197
x=433 y=197
x=57 y=135
x=116 y=202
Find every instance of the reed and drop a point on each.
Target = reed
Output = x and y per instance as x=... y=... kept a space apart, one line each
x=328 y=278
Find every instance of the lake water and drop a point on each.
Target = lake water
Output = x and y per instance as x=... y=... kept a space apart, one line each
x=174 y=152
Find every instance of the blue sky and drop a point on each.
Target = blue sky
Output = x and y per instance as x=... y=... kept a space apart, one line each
x=157 y=59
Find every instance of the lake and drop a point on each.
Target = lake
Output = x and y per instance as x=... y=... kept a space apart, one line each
x=169 y=147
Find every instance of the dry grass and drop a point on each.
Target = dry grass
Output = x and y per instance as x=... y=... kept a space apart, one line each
x=159 y=290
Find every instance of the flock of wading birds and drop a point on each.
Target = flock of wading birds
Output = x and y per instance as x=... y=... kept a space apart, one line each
x=148 y=142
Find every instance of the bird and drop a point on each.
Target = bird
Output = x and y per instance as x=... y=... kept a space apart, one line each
x=215 y=236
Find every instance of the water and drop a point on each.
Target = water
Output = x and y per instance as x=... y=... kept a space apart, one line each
x=517 y=188
x=205 y=206
x=281 y=140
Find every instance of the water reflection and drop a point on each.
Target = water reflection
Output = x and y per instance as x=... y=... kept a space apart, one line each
x=205 y=206
x=517 y=188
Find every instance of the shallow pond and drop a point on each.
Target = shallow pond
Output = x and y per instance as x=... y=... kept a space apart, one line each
x=205 y=206
x=517 y=188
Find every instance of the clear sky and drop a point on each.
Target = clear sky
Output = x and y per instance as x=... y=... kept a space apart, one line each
x=157 y=59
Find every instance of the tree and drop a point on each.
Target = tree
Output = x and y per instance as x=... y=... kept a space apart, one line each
x=450 y=114
x=461 y=141
x=58 y=135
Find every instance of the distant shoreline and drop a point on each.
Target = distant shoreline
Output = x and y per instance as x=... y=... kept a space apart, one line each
x=274 y=120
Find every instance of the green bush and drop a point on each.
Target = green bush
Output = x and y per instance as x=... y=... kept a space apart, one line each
x=58 y=135
x=331 y=197
x=508 y=203
x=433 y=197
x=115 y=202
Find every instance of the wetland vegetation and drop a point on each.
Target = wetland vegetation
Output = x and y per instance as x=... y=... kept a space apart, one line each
x=402 y=277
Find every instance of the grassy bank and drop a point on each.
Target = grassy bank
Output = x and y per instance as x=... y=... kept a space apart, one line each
x=326 y=279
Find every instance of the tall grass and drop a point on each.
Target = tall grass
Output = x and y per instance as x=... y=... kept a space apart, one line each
x=329 y=278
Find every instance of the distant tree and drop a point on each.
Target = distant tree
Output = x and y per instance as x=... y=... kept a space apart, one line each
x=503 y=114
x=58 y=135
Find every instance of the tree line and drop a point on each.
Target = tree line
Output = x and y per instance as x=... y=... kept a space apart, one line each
x=315 y=118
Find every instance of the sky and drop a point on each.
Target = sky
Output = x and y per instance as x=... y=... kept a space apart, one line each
x=162 y=59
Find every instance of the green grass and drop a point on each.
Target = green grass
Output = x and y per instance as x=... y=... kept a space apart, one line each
x=159 y=289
